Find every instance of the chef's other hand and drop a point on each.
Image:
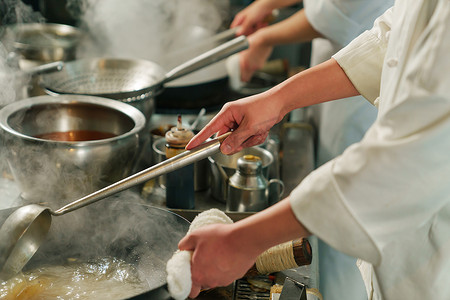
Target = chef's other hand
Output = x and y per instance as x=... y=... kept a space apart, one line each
x=217 y=258
x=253 y=17
x=254 y=57
x=250 y=119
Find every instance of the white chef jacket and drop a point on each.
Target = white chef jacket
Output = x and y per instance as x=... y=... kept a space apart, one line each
x=340 y=123
x=386 y=199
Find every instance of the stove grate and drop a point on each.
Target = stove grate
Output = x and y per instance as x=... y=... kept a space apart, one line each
x=244 y=291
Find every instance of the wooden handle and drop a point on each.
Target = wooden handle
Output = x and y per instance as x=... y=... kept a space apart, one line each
x=285 y=256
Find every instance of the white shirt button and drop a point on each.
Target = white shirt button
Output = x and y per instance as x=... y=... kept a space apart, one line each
x=392 y=62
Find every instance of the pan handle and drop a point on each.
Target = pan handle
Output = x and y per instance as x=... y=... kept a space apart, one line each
x=174 y=163
x=45 y=68
x=214 y=55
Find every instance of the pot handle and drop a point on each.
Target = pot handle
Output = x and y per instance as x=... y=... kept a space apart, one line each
x=278 y=181
x=292 y=254
x=214 y=55
x=222 y=172
x=45 y=68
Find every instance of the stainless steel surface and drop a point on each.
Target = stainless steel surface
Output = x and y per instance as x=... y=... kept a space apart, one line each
x=23 y=80
x=45 y=68
x=21 y=234
x=297 y=147
x=248 y=189
x=224 y=166
x=123 y=228
x=218 y=53
x=129 y=80
x=56 y=172
x=24 y=242
x=200 y=115
x=45 y=42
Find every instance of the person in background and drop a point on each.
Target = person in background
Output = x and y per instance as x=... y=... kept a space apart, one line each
x=386 y=199
x=330 y=25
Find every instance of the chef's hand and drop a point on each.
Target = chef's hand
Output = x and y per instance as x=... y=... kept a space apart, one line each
x=255 y=56
x=253 y=17
x=250 y=119
x=217 y=258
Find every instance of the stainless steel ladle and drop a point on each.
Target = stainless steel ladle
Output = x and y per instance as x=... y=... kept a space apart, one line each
x=25 y=229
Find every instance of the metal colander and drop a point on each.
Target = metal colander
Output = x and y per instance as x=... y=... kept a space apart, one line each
x=129 y=80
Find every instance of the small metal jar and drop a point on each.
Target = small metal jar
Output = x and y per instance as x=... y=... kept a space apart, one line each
x=248 y=189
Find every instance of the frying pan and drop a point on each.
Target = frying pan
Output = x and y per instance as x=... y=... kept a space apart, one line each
x=129 y=80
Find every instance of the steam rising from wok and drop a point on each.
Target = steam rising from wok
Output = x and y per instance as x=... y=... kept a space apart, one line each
x=120 y=227
x=148 y=29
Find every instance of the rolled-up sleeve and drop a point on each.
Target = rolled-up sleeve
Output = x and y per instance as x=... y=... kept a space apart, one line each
x=362 y=60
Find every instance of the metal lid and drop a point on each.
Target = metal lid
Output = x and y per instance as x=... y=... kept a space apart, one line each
x=249 y=164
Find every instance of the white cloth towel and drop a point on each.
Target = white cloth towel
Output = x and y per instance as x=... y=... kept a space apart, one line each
x=179 y=266
x=234 y=72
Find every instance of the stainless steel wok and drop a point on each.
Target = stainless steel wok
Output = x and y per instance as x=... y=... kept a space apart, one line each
x=144 y=236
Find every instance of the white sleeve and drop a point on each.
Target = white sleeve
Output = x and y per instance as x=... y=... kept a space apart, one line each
x=362 y=60
x=395 y=180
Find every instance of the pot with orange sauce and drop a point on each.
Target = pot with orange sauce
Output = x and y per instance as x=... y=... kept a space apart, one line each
x=61 y=148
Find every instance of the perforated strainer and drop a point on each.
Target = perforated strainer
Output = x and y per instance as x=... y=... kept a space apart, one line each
x=129 y=80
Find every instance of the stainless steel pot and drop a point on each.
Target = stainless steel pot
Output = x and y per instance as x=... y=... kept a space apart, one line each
x=45 y=42
x=55 y=172
x=223 y=166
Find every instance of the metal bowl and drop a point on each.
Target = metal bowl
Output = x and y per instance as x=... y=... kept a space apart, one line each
x=61 y=148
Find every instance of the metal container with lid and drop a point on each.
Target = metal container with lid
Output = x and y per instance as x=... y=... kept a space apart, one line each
x=222 y=167
x=248 y=189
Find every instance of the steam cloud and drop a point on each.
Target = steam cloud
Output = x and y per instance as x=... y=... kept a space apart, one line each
x=156 y=30
x=149 y=29
x=12 y=83
x=146 y=29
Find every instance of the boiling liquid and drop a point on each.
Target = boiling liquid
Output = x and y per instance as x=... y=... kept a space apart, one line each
x=106 y=278
x=75 y=135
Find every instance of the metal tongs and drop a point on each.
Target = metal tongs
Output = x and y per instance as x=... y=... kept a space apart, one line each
x=26 y=228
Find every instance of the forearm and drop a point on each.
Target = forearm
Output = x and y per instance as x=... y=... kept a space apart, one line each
x=322 y=83
x=277 y=223
x=295 y=29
